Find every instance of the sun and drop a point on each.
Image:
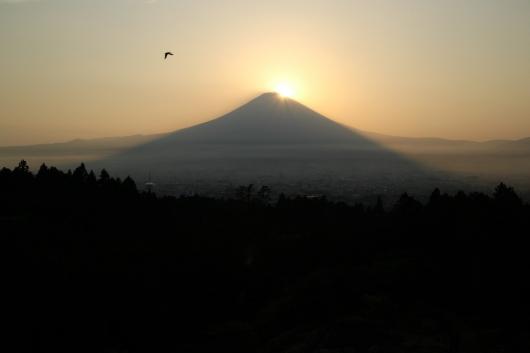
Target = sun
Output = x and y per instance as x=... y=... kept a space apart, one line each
x=284 y=90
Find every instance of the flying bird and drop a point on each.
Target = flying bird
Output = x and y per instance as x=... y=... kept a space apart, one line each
x=167 y=54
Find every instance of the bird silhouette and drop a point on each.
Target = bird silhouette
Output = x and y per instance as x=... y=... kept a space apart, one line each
x=167 y=54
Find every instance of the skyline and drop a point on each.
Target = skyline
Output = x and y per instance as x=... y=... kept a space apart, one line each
x=79 y=69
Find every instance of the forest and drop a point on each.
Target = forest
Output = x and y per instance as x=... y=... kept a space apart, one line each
x=92 y=264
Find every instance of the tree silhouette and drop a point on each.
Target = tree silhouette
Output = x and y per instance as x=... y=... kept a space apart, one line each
x=93 y=264
x=407 y=205
x=245 y=193
x=264 y=194
x=506 y=197
x=129 y=186
x=22 y=168
x=80 y=174
x=379 y=208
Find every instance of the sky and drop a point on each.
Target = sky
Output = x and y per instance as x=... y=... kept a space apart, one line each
x=456 y=69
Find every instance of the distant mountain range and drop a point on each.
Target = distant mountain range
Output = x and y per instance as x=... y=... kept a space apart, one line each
x=97 y=148
x=71 y=152
x=272 y=139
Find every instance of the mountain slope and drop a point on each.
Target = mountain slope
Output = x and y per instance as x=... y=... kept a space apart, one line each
x=267 y=119
x=269 y=140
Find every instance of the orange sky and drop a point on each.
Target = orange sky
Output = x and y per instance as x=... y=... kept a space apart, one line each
x=80 y=69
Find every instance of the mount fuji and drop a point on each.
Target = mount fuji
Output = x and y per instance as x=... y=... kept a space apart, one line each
x=270 y=140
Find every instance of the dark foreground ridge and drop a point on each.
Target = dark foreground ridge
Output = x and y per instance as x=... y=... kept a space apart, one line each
x=93 y=265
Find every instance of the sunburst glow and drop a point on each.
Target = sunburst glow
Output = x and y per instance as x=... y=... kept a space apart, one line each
x=284 y=90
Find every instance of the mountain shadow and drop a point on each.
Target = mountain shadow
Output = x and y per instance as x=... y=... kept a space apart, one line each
x=273 y=140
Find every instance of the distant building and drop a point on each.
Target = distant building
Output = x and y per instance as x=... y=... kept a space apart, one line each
x=149 y=185
x=314 y=196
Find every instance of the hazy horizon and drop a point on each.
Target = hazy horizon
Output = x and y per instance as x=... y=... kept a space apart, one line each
x=372 y=135
x=79 y=69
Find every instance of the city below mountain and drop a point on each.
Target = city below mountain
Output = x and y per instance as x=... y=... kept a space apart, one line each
x=271 y=140
x=276 y=141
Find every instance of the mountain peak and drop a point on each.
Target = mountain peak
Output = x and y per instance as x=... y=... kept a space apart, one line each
x=272 y=98
x=268 y=94
x=272 y=106
x=268 y=119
